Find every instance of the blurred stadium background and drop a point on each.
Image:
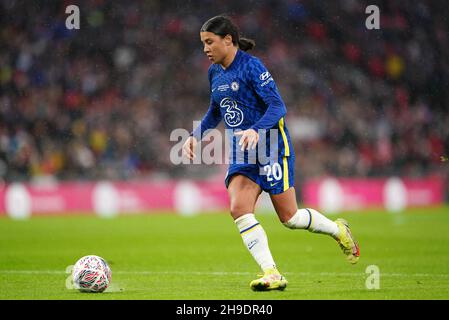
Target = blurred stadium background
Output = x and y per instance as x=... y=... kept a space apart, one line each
x=99 y=103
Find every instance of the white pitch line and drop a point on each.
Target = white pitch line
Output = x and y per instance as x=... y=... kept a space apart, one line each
x=215 y=273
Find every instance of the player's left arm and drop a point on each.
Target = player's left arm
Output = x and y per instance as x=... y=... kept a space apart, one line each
x=261 y=81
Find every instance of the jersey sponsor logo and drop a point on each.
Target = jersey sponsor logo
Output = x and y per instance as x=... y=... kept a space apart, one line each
x=233 y=116
x=235 y=86
x=266 y=82
x=264 y=76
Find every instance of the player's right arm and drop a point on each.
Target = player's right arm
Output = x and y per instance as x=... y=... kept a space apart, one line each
x=209 y=121
x=189 y=147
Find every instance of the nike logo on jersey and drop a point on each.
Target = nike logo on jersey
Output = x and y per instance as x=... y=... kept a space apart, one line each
x=273 y=184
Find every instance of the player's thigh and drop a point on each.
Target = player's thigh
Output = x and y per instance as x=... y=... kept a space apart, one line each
x=285 y=204
x=243 y=193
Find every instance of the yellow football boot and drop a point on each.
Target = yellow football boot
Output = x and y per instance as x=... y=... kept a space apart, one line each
x=347 y=242
x=271 y=280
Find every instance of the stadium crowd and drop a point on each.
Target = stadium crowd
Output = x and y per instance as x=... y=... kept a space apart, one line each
x=100 y=102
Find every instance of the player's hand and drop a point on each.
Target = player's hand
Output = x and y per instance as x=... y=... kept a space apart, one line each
x=188 y=149
x=249 y=139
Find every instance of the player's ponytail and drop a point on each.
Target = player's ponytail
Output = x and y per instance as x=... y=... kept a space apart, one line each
x=246 y=44
x=222 y=26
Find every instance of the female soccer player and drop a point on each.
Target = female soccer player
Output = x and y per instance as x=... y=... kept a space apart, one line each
x=245 y=96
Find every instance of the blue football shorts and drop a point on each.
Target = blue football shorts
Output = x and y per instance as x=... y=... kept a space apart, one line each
x=274 y=178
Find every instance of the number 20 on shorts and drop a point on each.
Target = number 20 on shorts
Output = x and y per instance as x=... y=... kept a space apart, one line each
x=273 y=171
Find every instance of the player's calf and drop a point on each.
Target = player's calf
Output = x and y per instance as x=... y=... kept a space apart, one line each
x=312 y=220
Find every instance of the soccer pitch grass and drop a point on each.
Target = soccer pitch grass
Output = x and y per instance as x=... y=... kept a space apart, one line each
x=170 y=257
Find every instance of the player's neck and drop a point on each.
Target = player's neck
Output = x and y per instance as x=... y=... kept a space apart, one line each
x=229 y=58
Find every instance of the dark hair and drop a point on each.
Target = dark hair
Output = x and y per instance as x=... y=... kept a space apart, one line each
x=222 y=26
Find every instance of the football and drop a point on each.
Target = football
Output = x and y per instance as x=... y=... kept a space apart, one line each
x=91 y=274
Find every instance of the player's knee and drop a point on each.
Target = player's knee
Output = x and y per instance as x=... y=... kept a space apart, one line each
x=238 y=209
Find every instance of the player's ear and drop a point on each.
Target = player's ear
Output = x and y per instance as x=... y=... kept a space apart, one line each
x=228 y=40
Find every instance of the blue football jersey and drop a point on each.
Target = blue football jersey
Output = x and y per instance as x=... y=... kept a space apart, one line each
x=244 y=96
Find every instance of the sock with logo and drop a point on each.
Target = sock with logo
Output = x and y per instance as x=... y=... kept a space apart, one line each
x=255 y=239
x=313 y=221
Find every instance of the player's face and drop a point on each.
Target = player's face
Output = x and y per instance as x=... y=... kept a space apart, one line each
x=215 y=47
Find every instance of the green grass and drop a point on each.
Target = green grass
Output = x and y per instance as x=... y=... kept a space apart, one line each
x=170 y=257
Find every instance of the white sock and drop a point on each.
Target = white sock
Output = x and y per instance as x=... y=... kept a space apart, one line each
x=255 y=239
x=313 y=221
